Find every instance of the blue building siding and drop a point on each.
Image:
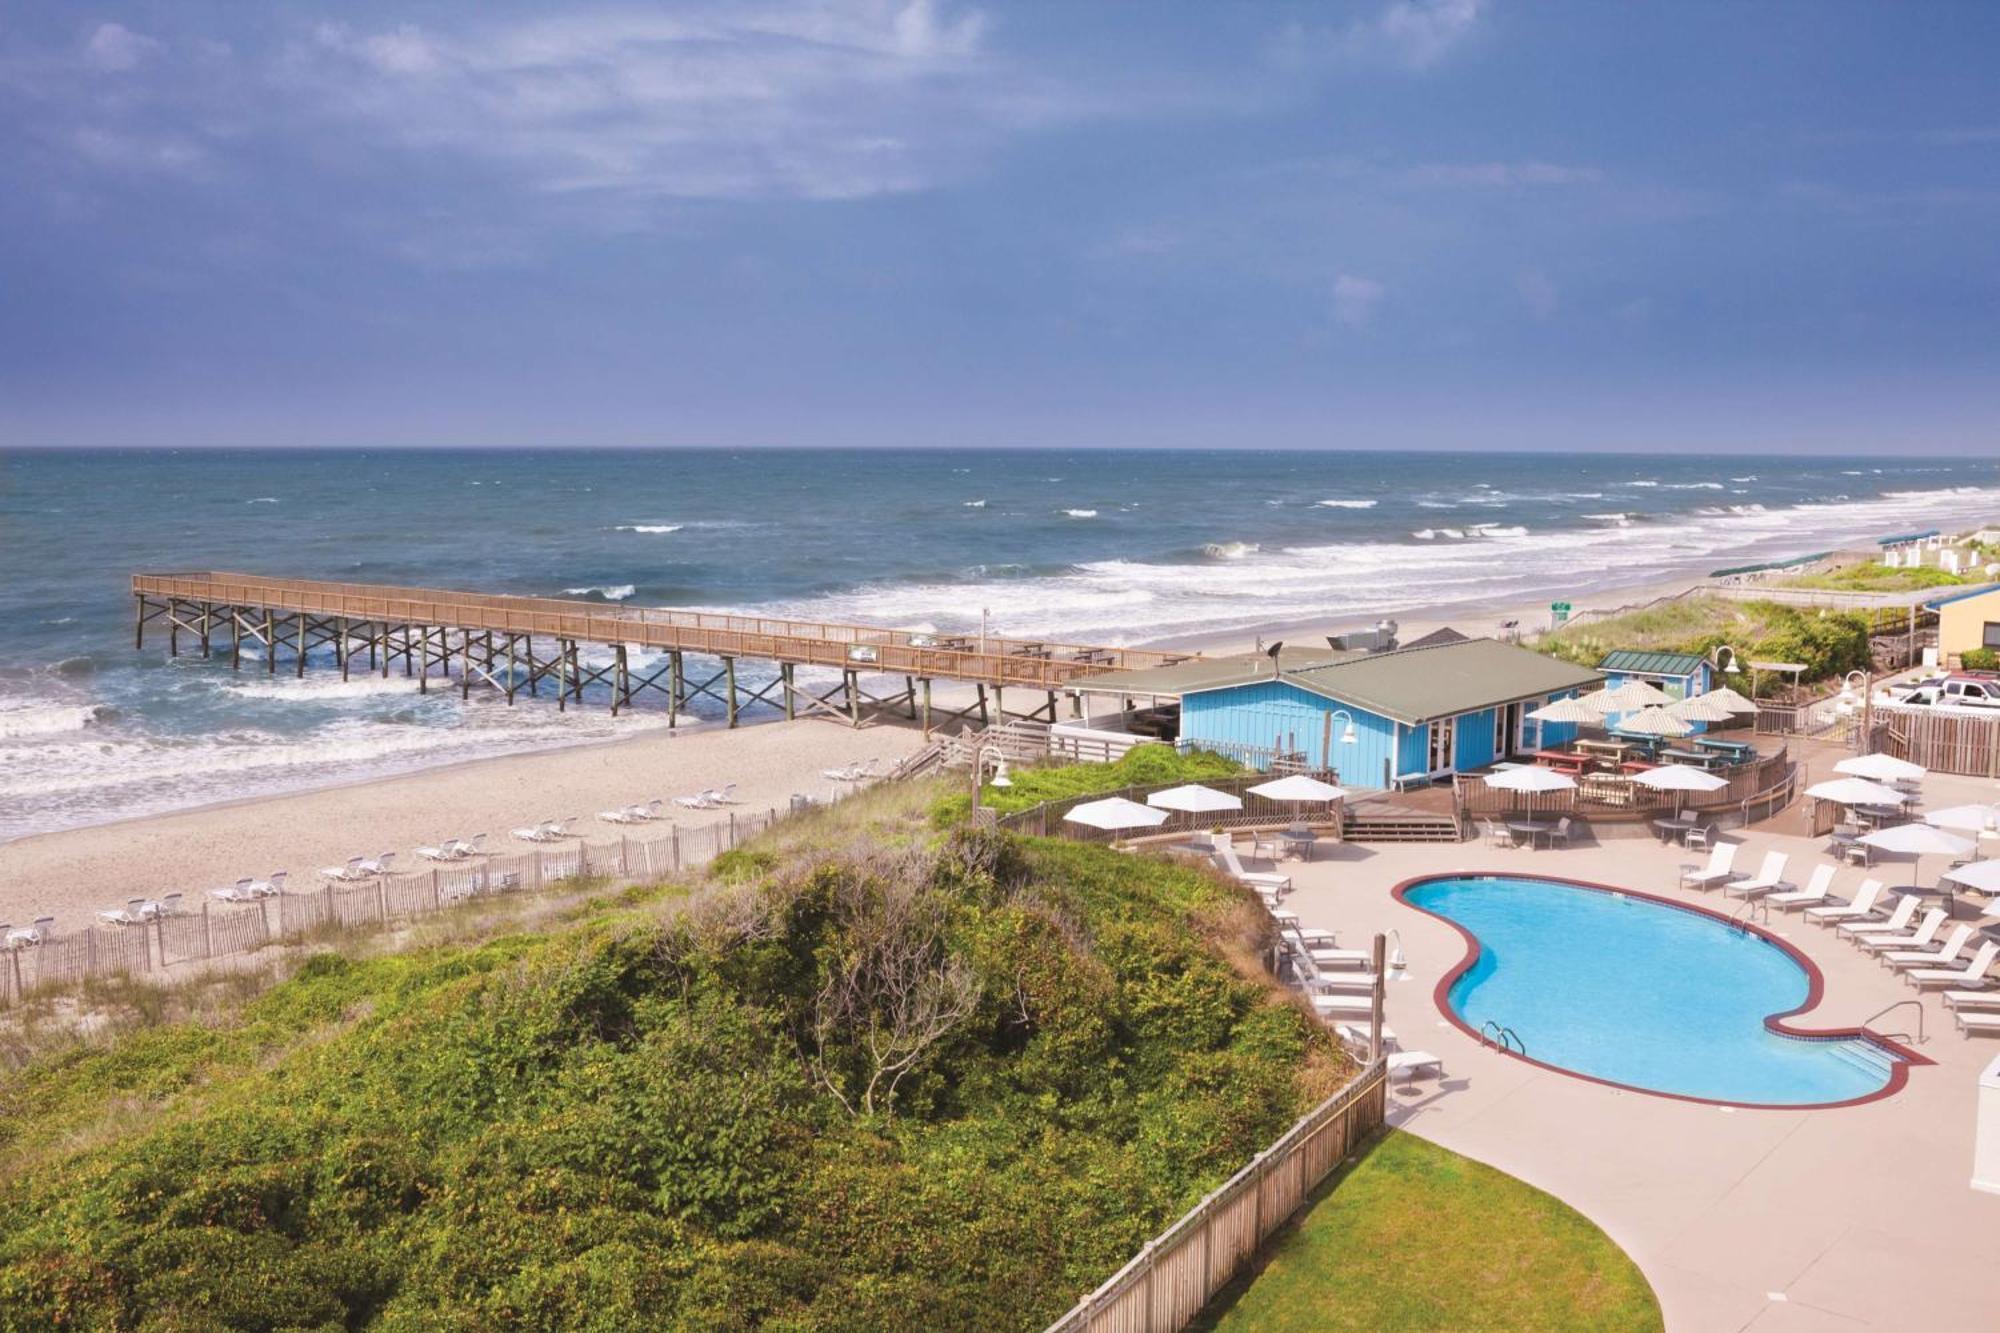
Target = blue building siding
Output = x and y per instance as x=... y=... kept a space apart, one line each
x=1679 y=687
x=1472 y=745
x=1414 y=750
x=1554 y=733
x=1273 y=714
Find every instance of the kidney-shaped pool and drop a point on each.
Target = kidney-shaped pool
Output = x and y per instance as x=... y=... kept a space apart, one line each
x=1647 y=994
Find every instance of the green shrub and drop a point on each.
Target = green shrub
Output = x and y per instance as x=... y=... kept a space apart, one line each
x=1140 y=766
x=633 y=1121
x=1980 y=659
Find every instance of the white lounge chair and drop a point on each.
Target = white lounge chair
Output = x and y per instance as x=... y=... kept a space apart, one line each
x=1971 y=999
x=379 y=865
x=1325 y=955
x=1346 y=1006
x=1865 y=903
x=549 y=830
x=1355 y=1037
x=444 y=851
x=1920 y=938
x=235 y=893
x=27 y=937
x=622 y=815
x=1769 y=876
x=723 y=795
x=1410 y=1063
x=1978 y=1023
x=168 y=906
x=1721 y=866
x=351 y=871
x=1261 y=880
x=1972 y=974
x=270 y=886
x=647 y=810
x=698 y=801
x=1906 y=960
x=473 y=846
x=1812 y=895
x=1898 y=921
x=131 y=914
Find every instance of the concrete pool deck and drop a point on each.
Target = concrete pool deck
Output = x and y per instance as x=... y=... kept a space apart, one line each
x=1840 y=1218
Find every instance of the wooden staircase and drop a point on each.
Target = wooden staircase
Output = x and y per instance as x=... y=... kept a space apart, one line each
x=1377 y=820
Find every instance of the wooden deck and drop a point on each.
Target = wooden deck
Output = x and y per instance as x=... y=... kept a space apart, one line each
x=512 y=642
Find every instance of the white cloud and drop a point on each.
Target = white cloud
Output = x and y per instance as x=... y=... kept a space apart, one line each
x=824 y=100
x=1537 y=292
x=1500 y=175
x=146 y=154
x=1355 y=300
x=114 y=48
x=1411 y=34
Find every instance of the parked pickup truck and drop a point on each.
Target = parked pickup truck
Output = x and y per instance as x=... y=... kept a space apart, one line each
x=1957 y=690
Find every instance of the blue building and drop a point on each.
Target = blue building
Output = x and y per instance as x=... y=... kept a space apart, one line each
x=1676 y=675
x=1380 y=719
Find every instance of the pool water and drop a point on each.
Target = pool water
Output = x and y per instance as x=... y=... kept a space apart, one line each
x=1641 y=993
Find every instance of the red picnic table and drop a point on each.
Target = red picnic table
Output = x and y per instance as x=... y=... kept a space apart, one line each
x=1563 y=761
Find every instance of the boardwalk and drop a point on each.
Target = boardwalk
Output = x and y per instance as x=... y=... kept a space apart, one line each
x=512 y=644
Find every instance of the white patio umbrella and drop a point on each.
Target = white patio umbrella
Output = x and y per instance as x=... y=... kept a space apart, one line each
x=1981 y=819
x=1980 y=877
x=1731 y=700
x=1116 y=813
x=1881 y=768
x=1195 y=799
x=1701 y=708
x=1571 y=709
x=1631 y=695
x=1681 y=778
x=1298 y=787
x=1528 y=780
x=1855 y=791
x=1654 y=721
x=1919 y=840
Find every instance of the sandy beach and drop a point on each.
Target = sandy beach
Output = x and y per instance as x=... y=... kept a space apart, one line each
x=73 y=873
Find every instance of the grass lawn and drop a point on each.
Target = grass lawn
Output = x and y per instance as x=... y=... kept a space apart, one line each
x=1417 y=1237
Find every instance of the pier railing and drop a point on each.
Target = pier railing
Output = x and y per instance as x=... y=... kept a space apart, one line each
x=991 y=660
x=214 y=930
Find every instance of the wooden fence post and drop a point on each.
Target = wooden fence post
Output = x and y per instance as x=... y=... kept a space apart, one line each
x=677 y=848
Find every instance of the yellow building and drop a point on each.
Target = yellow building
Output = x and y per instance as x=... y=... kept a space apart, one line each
x=1966 y=621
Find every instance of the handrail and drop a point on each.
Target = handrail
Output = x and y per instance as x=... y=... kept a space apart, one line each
x=1740 y=918
x=1501 y=1036
x=1918 y=1005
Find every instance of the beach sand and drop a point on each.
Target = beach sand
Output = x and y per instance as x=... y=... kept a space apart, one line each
x=74 y=873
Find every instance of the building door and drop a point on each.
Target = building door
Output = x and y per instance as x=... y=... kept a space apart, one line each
x=1507 y=743
x=1442 y=731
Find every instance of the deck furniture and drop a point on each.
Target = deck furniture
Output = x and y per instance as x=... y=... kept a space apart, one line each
x=1257 y=879
x=1410 y=1063
x=1905 y=960
x=1721 y=865
x=1497 y=835
x=1676 y=827
x=1692 y=758
x=1530 y=829
x=1920 y=938
x=1865 y=903
x=1812 y=895
x=1741 y=752
x=1769 y=876
x=1897 y=924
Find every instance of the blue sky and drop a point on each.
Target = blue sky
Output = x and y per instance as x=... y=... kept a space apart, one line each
x=1402 y=223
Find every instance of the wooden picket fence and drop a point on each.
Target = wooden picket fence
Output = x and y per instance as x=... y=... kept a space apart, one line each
x=1170 y=1281
x=1942 y=741
x=219 y=930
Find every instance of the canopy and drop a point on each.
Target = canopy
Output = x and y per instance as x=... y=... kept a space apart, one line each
x=1570 y=709
x=1116 y=813
x=1632 y=694
x=1679 y=777
x=1880 y=768
x=1194 y=798
x=1529 y=778
x=1298 y=787
x=1980 y=876
x=1984 y=819
x=1918 y=840
x=1701 y=708
x=1731 y=700
x=1855 y=791
x=1654 y=721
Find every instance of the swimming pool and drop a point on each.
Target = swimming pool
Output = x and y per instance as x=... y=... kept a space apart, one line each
x=1629 y=989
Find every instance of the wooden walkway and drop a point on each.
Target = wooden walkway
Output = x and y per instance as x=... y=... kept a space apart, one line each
x=514 y=643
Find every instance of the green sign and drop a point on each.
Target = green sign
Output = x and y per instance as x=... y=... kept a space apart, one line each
x=1558 y=612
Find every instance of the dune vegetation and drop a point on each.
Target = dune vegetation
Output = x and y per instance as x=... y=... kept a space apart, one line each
x=869 y=1074
x=1826 y=643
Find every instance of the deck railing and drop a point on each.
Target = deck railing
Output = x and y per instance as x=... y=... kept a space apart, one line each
x=1170 y=1280
x=989 y=659
x=1610 y=796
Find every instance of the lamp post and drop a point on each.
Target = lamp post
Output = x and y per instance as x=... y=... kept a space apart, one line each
x=1000 y=778
x=1347 y=737
x=1867 y=704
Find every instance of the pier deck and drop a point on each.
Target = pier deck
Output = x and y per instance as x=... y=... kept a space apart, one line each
x=514 y=643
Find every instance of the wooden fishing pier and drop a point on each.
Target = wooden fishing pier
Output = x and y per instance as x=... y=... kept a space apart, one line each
x=511 y=644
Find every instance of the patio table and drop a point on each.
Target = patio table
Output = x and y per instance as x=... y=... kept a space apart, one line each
x=1303 y=842
x=1673 y=829
x=1530 y=828
x=1694 y=758
x=1740 y=749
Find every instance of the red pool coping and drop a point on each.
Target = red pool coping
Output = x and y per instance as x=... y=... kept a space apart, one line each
x=1899 y=1071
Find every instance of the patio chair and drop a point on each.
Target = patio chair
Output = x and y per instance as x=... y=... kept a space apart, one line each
x=1814 y=893
x=1768 y=877
x=1560 y=833
x=1866 y=902
x=1906 y=960
x=1497 y=834
x=1972 y=974
x=1721 y=865
x=1695 y=837
x=351 y=871
x=1897 y=927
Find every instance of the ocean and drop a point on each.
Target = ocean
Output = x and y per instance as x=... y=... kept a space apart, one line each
x=1118 y=547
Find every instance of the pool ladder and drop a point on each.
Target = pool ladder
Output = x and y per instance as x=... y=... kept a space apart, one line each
x=1501 y=1037
x=1917 y=1005
x=1756 y=908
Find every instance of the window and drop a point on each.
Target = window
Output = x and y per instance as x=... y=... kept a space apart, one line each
x=1991 y=636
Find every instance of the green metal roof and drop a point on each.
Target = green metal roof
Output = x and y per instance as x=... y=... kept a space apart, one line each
x=1418 y=684
x=1204 y=673
x=1650 y=663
